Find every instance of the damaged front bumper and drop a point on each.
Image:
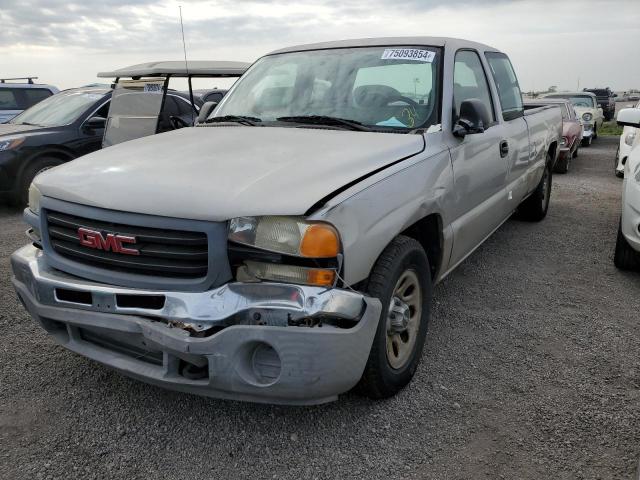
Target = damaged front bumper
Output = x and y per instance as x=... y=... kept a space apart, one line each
x=263 y=342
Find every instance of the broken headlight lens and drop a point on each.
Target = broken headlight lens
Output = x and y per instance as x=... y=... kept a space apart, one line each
x=34 y=199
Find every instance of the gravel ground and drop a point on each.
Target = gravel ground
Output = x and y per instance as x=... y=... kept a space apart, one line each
x=530 y=371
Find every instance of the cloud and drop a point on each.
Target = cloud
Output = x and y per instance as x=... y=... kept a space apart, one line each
x=551 y=42
x=99 y=25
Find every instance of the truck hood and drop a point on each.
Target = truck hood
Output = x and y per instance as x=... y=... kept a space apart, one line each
x=220 y=172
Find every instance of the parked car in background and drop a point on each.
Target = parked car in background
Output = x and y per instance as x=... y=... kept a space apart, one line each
x=628 y=139
x=288 y=264
x=64 y=127
x=586 y=106
x=16 y=96
x=606 y=101
x=571 y=130
x=627 y=251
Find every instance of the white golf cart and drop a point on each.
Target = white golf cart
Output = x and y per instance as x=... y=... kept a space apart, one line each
x=142 y=103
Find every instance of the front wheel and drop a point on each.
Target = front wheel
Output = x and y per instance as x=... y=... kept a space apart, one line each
x=586 y=142
x=401 y=280
x=535 y=207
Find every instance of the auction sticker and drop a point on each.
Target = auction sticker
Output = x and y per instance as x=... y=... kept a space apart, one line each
x=153 y=87
x=417 y=54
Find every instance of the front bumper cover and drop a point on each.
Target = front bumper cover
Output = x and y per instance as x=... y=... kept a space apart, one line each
x=215 y=331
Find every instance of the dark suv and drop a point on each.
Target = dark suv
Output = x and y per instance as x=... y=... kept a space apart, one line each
x=605 y=101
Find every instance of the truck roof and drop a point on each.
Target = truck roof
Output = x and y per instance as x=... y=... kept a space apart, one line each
x=179 y=69
x=454 y=43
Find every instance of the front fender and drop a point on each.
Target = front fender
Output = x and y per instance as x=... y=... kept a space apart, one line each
x=368 y=216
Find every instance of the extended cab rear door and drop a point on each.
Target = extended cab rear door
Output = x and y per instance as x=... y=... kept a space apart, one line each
x=514 y=146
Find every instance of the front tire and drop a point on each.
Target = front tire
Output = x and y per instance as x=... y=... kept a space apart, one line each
x=625 y=257
x=586 y=142
x=535 y=207
x=36 y=167
x=401 y=280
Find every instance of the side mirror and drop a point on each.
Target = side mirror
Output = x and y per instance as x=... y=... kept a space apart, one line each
x=615 y=95
x=629 y=117
x=95 y=123
x=473 y=118
x=205 y=111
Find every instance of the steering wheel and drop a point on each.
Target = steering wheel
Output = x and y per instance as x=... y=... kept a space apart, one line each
x=177 y=122
x=407 y=100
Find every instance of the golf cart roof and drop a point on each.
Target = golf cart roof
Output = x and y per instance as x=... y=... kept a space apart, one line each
x=178 y=69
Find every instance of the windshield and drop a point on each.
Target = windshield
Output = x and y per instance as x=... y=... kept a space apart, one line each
x=381 y=88
x=583 y=101
x=60 y=109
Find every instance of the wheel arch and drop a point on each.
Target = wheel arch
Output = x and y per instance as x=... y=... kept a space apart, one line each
x=59 y=153
x=429 y=233
x=553 y=151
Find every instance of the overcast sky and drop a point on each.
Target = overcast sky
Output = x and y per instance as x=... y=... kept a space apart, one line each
x=551 y=42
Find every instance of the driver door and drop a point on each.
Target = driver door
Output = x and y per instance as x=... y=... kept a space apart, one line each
x=479 y=169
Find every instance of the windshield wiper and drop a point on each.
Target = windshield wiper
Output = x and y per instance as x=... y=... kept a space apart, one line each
x=326 y=120
x=30 y=124
x=243 y=120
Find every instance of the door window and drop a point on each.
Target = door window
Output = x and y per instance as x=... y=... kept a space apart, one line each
x=470 y=81
x=103 y=112
x=507 y=85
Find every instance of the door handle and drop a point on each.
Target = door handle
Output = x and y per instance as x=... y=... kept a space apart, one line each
x=504 y=148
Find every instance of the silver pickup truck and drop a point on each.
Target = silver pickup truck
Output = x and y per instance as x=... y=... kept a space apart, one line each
x=285 y=249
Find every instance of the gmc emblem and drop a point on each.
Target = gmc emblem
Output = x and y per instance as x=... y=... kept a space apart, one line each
x=110 y=243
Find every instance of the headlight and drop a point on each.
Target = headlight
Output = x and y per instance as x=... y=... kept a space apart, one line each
x=34 y=199
x=11 y=144
x=564 y=141
x=288 y=249
x=286 y=235
x=587 y=117
x=631 y=136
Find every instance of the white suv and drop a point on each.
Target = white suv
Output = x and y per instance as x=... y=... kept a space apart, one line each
x=18 y=96
x=628 y=242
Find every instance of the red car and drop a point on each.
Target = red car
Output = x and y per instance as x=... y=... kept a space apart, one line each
x=571 y=131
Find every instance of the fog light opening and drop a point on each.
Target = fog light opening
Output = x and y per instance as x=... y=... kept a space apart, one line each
x=259 y=364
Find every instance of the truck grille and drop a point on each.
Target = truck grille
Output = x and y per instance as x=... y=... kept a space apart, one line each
x=167 y=253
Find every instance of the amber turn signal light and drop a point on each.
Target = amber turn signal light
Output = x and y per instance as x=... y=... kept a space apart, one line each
x=320 y=241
